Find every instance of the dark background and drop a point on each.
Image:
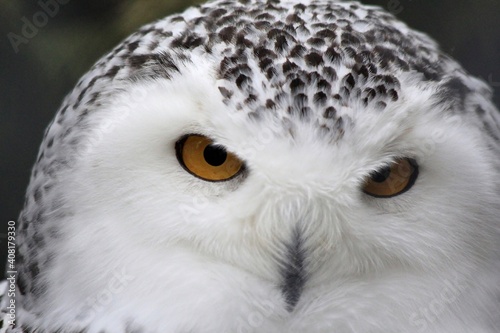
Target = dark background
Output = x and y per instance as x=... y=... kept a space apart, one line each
x=34 y=80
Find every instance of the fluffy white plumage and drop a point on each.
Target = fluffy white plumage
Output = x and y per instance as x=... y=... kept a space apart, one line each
x=117 y=236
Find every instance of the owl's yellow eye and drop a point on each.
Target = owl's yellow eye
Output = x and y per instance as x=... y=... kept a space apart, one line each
x=392 y=180
x=203 y=159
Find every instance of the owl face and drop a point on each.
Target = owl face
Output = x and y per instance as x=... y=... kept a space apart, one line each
x=294 y=182
x=306 y=171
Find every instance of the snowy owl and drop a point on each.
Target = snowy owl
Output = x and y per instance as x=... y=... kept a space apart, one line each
x=266 y=166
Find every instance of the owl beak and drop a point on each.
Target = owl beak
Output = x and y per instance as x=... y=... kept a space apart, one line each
x=293 y=274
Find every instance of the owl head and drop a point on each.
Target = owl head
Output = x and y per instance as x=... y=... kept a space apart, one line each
x=267 y=166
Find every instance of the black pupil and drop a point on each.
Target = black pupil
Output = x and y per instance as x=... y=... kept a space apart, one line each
x=382 y=175
x=214 y=155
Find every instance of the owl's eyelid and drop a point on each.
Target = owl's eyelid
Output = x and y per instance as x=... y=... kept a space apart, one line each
x=195 y=133
x=412 y=178
x=394 y=159
x=385 y=164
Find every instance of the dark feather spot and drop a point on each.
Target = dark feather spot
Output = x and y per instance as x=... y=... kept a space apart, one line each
x=319 y=98
x=289 y=66
x=300 y=7
x=250 y=99
x=225 y=92
x=349 y=81
x=332 y=55
x=226 y=63
x=294 y=18
x=318 y=42
x=349 y=39
x=330 y=113
x=304 y=112
x=134 y=61
x=330 y=73
x=455 y=89
x=324 y=85
x=271 y=72
x=300 y=100
x=350 y=52
x=187 y=41
x=326 y=33
x=262 y=52
x=265 y=17
x=242 y=80
x=297 y=51
x=380 y=105
x=262 y=25
x=314 y=59
x=177 y=18
x=270 y=104
x=362 y=71
x=226 y=34
x=393 y=94
x=242 y=41
x=372 y=68
x=281 y=44
x=273 y=33
x=265 y=63
x=345 y=92
x=218 y=12
x=296 y=85
x=133 y=46
x=370 y=94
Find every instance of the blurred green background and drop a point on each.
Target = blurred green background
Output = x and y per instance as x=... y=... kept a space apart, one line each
x=34 y=79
